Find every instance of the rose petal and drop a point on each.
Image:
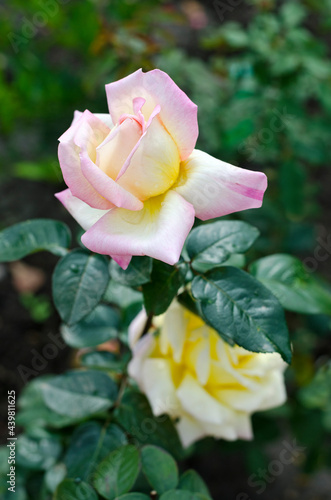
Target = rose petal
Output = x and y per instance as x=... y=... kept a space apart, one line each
x=190 y=430
x=159 y=230
x=198 y=403
x=113 y=152
x=154 y=164
x=238 y=426
x=78 y=154
x=178 y=113
x=85 y=215
x=136 y=328
x=174 y=330
x=106 y=186
x=158 y=386
x=142 y=350
x=276 y=395
x=216 y=188
x=260 y=367
x=84 y=133
x=145 y=127
x=122 y=260
x=104 y=117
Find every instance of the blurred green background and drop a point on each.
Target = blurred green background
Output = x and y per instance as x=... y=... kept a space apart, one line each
x=260 y=73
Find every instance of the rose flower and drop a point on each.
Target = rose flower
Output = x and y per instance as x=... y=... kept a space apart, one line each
x=211 y=388
x=135 y=181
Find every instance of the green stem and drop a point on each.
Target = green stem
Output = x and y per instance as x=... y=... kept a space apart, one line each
x=148 y=324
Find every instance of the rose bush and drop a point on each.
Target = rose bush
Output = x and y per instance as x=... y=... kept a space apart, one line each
x=135 y=181
x=187 y=371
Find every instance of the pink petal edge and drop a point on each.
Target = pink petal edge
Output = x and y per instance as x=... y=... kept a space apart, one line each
x=178 y=113
x=120 y=232
x=216 y=188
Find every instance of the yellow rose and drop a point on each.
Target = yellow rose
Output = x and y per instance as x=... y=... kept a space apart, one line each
x=187 y=371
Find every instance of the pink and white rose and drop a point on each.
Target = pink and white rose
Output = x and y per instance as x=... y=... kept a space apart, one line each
x=135 y=181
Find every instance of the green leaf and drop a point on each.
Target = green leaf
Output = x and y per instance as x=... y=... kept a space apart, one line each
x=159 y=468
x=33 y=236
x=138 y=272
x=54 y=476
x=130 y=301
x=183 y=495
x=133 y=496
x=235 y=35
x=37 y=452
x=326 y=419
x=294 y=287
x=191 y=481
x=318 y=393
x=293 y=14
x=242 y=311
x=4 y=466
x=235 y=260
x=71 y=489
x=135 y=416
x=165 y=283
x=186 y=300
x=89 y=445
x=117 y=473
x=103 y=360
x=79 y=394
x=122 y=296
x=211 y=244
x=79 y=282
x=33 y=411
x=5 y=494
x=96 y=328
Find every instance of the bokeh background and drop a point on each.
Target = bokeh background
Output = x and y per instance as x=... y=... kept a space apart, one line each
x=260 y=73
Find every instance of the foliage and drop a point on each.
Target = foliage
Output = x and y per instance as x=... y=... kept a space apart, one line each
x=93 y=435
x=263 y=87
